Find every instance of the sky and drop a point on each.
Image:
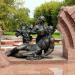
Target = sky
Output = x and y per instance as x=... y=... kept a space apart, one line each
x=32 y=4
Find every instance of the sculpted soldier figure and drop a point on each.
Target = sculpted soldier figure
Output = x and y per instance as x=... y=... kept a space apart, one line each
x=43 y=32
x=24 y=31
x=43 y=47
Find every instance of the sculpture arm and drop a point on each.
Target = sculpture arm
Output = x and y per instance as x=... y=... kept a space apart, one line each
x=34 y=30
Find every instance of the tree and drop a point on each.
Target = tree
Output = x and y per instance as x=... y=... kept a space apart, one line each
x=10 y=2
x=69 y=2
x=7 y=13
x=10 y=15
x=50 y=11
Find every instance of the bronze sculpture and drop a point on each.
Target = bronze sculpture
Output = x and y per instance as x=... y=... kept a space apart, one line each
x=43 y=47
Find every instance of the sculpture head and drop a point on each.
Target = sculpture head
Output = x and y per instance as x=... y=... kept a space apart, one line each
x=41 y=20
x=23 y=26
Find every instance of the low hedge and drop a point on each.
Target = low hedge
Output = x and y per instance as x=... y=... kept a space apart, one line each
x=9 y=33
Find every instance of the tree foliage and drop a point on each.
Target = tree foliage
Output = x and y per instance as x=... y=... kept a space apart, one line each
x=10 y=16
x=50 y=11
x=69 y=2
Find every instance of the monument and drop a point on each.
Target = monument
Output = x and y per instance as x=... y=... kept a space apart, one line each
x=66 y=25
x=43 y=47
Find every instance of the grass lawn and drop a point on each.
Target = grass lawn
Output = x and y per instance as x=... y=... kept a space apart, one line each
x=9 y=33
x=55 y=35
